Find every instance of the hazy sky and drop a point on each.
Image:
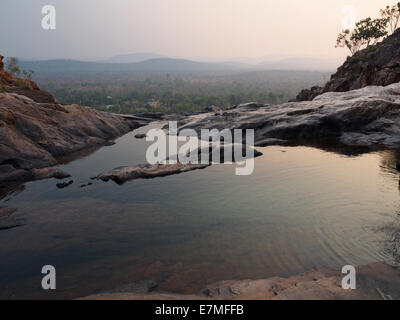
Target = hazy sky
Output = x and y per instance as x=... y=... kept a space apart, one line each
x=196 y=29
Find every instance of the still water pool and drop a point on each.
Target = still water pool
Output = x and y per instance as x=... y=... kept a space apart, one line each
x=301 y=208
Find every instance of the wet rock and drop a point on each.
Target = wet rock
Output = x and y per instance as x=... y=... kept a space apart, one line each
x=109 y=143
x=9 y=173
x=51 y=172
x=86 y=185
x=270 y=142
x=63 y=185
x=222 y=153
x=140 y=136
x=122 y=174
x=8 y=221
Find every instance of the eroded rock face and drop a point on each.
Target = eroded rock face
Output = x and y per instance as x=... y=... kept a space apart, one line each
x=36 y=135
x=36 y=132
x=28 y=88
x=379 y=66
x=368 y=117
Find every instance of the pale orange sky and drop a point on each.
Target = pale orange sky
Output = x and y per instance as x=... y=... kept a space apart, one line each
x=196 y=29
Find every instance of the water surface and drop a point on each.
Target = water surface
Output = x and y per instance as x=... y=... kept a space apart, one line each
x=302 y=208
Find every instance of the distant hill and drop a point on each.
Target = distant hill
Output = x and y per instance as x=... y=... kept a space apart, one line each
x=133 y=57
x=162 y=65
x=169 y=65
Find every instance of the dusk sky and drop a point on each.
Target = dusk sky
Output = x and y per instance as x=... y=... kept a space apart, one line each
x=193 y=29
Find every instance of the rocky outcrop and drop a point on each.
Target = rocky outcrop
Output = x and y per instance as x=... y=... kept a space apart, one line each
x=37 y=133
x=25 y=87
x=377 y=281
x=377 y=65
x=147 y=171
x=368 y=117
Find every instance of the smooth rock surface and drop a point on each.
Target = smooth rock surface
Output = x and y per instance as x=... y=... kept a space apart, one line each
x=35 y=135
x=124 y=174
x=368 y=117
x=377 y=281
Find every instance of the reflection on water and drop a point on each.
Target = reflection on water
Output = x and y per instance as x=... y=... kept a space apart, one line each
x=301 y=208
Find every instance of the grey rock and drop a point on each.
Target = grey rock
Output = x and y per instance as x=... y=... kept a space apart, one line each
x=123 y=174
x=367 y=117
x=63 y=185
x=140 y=136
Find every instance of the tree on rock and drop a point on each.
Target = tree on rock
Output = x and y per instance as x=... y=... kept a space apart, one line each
x=366 y=33
x=369 y=31
x=12 y=66
x=392 y=14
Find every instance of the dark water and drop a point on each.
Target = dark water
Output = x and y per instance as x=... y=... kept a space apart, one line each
x=302 y=208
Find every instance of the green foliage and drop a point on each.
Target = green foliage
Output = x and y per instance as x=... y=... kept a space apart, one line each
x=367 y=32
x=392 y=14
x=370 y=31
x=28 y=74
x=12 y=66
x=345 y=39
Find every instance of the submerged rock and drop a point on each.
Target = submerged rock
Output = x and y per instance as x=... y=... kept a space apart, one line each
x=140 y=136
x=51 y=172
x=123 y=174
x=86 y=185
x=8 y=221
x=368 y=117
x=10 y=173
x=63 y=185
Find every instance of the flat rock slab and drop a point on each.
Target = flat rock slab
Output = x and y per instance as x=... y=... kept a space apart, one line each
x=124 y=174
x=377 y=281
